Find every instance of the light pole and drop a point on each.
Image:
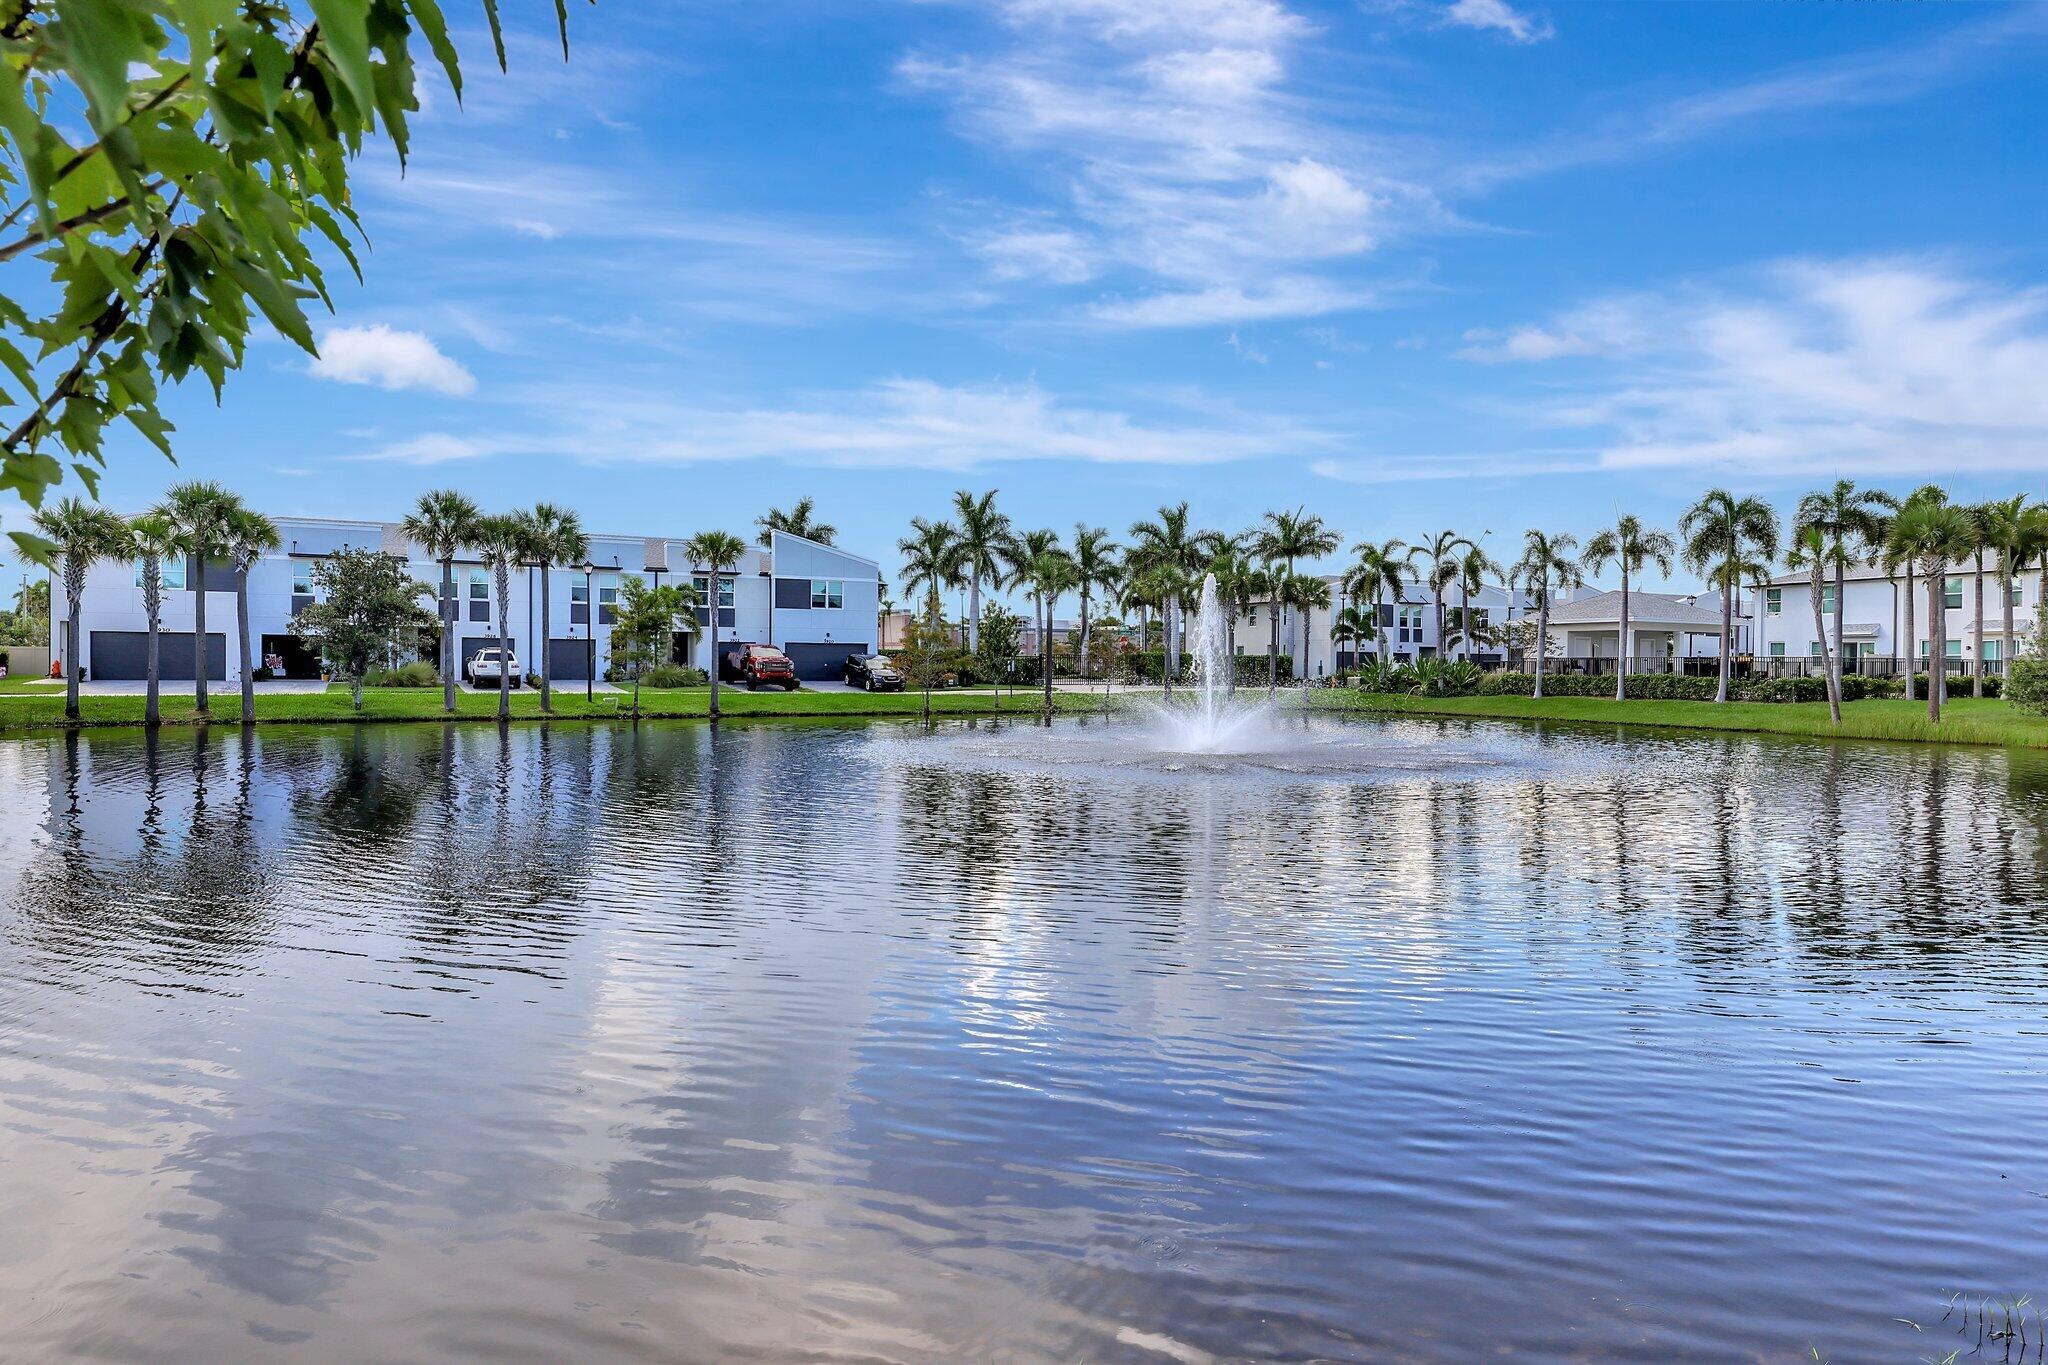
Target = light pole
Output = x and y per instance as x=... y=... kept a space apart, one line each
x=590 y=632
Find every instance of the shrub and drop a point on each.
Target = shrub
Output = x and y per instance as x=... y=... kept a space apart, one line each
x=674 y=675
x=263 y=674
x=1443 y=677
x=418 y=673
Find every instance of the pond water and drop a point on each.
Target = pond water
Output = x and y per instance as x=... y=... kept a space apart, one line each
x=822 y=1041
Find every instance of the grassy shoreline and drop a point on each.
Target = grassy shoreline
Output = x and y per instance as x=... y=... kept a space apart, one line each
x=1964 y=720
x=45 y=709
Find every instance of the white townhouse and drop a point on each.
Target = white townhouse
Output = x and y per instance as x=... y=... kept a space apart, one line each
x=816 y=602
x=1410 y=626
x=1664 y=629
x=1874 y=616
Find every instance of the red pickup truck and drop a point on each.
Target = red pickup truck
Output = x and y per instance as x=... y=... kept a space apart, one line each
x=756 y=665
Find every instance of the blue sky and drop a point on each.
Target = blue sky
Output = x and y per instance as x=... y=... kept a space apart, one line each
x=1413 y=263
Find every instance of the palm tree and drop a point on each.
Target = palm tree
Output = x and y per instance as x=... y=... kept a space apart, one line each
x=502 y=540
x=1724 y=534
x=249 y=536
x=1356 y=624
x=1048 y=573
x=82 y=535
x=200 y=511
x=1307 y=593
x=1812 y=547
x=2007 y=525
x=153 y=539
x=984 y=539
x=1548 y=565
x=1442 y=550
x=444 y=522
x=932 y=560
x=1980 y=516
x=1381 y=572
x=1852 y=522
x=1144 y=589
x=1289 y=537
x=717 y=551
x=1473 y=566
x=1933 y=534
x=795 y=522
x=1097 y=568
x=1018 y=556
x=1239 y=582
x=1631 y=545
x=1173 y=551
x=1893 y=561
x=554 y=535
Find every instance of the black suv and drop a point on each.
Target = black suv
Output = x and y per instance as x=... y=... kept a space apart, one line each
x=872 y=673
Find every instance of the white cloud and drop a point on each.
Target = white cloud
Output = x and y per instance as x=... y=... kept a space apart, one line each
x=1183 y=158
x=389 y=359
x=1037 y=252
x=1883 y=367
x=1284 y=297
x=1420 y=468
x=1246 y=352
x=896 y=424
x=1524 y=343
x=1499 y=16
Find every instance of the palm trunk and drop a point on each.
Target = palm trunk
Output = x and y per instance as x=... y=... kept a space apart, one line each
x=73 y=612
x=547 y=690
x=974 y=613
x=1937 y=646
x=1977 y=635
x=1621 y=645
x=1912 y=638
x=1820 y=629
x=1464 y=622
x=448 y=635
x=2005 y=612
x=199 y=639
x=242 y=643
x=1084 y=633
x=504 y=575
x=1045 y=652
x=1379 y=627
x=1728 y=630
x=152 y=712
x=712 y=618
x=1273 y=645
x=1841 y=653
x=1542 y=635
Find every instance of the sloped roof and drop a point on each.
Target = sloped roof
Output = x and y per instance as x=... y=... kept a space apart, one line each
x=1661 y=607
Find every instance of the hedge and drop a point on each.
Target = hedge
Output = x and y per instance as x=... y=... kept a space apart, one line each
x=1684 y=687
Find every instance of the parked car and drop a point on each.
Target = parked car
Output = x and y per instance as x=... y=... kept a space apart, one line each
x=872 y=673
x=486 y=664
x=756 y=665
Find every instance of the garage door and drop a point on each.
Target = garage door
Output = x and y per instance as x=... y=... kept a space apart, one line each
x=568 y=660
x=820 y=662
x=123 y=655
x=472 y=643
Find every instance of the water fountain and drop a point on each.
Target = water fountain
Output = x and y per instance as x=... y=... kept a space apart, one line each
x=1212 y=720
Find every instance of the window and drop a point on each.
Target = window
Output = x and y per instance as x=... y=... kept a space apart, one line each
x=1992 y=652
x=1952 y=594
x=1827 y=599
x=607 y=598
x=1408 y=623
x=2016 y=592
x=1953 y=649
x=173 y=570
x=1813 y=650
x=302 y=578
x=479 y=595
x=828 y=593
x=1777 y=649
x=1774 y=601
x=579 y=601
x=702 y=583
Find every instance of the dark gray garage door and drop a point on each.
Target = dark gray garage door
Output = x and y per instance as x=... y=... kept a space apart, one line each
x=123 y=655
x=568 y=660
x=819 y=662
x=472 y=643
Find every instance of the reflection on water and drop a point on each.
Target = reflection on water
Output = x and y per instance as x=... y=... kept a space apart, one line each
x=584 y=1043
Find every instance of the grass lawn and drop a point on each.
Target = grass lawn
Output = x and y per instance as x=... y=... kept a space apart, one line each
x=45 y=707
x=28 y=687
x=1964 y=721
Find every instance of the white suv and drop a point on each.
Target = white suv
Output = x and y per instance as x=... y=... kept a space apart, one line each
x=485 y=666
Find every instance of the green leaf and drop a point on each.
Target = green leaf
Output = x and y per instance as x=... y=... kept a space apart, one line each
x=435 y=26
x=497 y=30
x=345 y=33
x=101 y=38
x=275 y=300
x=33 y=548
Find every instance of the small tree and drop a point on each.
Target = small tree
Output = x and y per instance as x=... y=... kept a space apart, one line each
x=371 y=608
x=927 y=649
x=996 y=650
x=643 y=623
x=2026 y=673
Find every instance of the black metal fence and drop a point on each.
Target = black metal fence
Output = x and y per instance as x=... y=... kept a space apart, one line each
x=1745 y=666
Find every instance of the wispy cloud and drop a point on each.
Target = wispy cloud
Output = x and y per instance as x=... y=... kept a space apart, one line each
x=1883 y=75
x=1422 y=468
x=895 y=424
x=1523 y=343
x=1183 y=159
x=1497 y=16
x=1887 y=366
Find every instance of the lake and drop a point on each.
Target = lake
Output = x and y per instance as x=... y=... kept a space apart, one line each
x=793 y=1040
